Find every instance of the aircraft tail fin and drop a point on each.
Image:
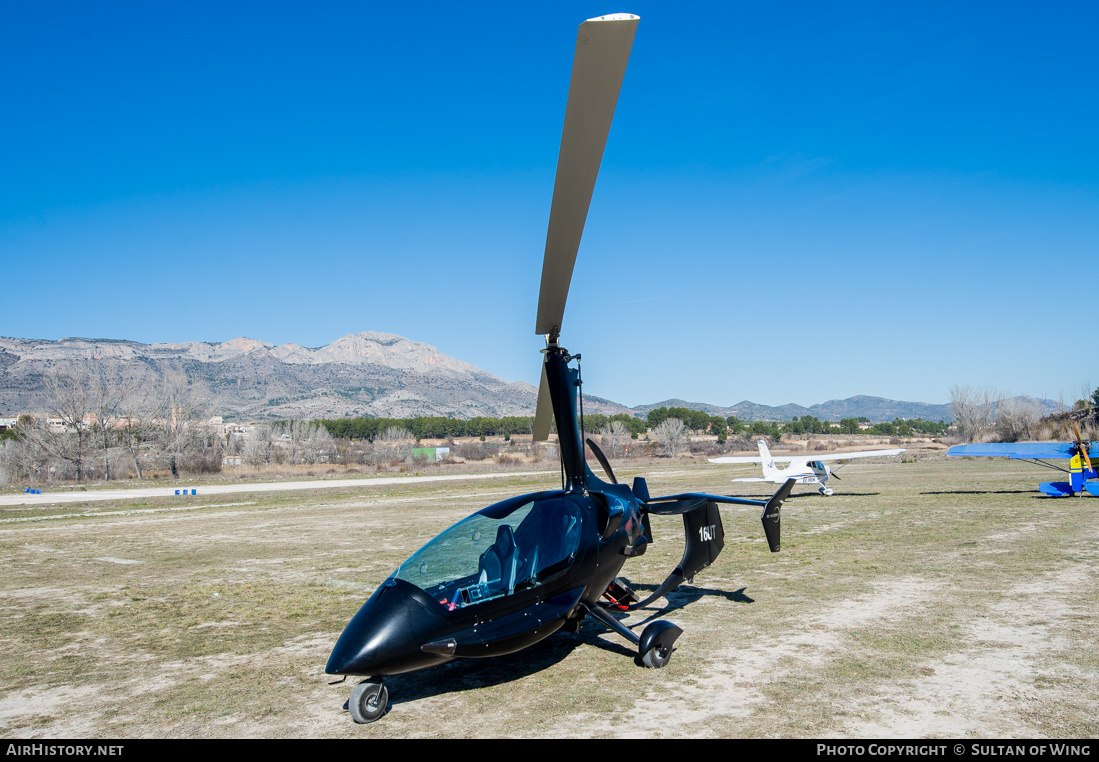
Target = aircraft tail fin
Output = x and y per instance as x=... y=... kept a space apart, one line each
x=705 y=539
x=769 y=467
x=772 y=515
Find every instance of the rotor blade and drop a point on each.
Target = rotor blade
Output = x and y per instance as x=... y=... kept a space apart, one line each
x=543 y=414
x=602 y=460
x=598 y=66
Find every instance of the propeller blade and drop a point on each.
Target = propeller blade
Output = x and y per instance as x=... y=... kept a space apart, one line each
x=598 y=66
x=1083 y=450
x=543 y=413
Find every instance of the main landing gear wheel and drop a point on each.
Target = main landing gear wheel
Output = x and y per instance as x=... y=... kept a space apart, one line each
x=368 y=701
x=656 y=657
x=655 y=646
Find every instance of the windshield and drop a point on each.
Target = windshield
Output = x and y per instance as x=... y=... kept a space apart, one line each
x=481 y=558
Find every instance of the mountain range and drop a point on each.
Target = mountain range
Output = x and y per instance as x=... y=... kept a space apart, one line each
x=361 y=374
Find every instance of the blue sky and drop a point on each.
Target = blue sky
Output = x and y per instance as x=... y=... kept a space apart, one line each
x=798 y=202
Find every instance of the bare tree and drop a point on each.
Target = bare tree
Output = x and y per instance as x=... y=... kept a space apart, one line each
x=23 y=457
x=616 y=437
x=319 y=445
x=389 y=443
x=1089 y=400
x=108 y=393
x=1016 y=420
x=179 y=412
x=10 y=457
x=304 y=441
x=972 y=411
x=137 y=426
x=70 y=402
x=672 y=436
x=29 y=459
x=257 y=448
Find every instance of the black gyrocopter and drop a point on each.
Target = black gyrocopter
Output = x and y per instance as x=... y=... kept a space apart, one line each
x=514 y=573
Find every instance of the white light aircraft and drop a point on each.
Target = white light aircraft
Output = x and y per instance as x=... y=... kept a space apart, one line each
x=807 y=469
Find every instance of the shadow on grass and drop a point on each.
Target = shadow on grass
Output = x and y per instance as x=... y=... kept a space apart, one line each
x=467 y=674
x=986 y=492
x=800 y=495
x=681 y=597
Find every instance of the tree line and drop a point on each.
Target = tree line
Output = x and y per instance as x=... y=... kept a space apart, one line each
x=694 y=421
x=438 y=427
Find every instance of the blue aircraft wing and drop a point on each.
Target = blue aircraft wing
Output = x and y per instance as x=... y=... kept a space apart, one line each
x=1016 y=450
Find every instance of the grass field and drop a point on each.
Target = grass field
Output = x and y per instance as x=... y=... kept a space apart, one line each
x=928 y=599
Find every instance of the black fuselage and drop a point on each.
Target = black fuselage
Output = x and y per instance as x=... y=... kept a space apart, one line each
x=402 y=627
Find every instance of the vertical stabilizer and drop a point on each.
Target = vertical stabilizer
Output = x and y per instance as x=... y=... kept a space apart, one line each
x=769 y=468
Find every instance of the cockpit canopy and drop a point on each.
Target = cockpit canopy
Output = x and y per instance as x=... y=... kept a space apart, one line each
x=512 y=546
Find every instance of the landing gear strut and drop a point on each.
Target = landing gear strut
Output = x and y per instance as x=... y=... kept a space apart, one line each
x=654 y=647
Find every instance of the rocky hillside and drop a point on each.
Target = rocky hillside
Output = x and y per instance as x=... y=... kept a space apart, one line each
x=362 y=374
x=877 y=409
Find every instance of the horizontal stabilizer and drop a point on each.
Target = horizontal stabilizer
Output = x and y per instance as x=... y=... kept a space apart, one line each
x=1056 y=489
x=668 y=505
x=674 y=506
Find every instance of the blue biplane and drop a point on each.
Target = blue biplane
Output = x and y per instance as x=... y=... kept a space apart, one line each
x=1081 y=469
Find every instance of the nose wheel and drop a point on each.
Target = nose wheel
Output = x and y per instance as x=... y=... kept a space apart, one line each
x=368 y=701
